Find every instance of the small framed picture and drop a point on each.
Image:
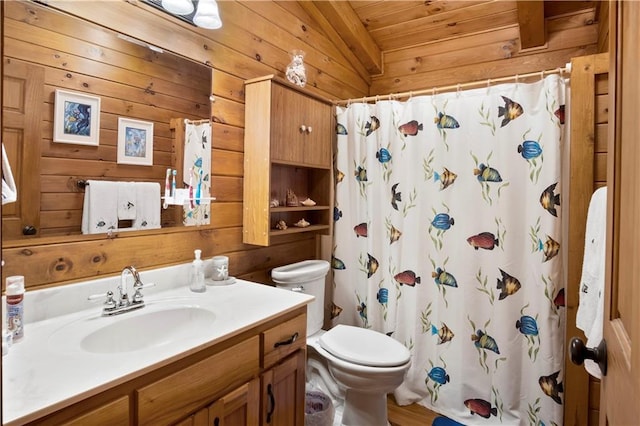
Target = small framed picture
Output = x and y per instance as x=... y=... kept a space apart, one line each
x=76 y=118
x=135 y=142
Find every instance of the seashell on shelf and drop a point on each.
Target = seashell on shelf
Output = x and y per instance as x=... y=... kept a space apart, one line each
x=292 y=199
x=282 y=225
x=274 y=202
x=301 y=223
x=308 y=202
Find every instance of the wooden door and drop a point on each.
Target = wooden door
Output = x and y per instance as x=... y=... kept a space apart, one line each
x=283 y=392
x=621 y=386
x=22 y=104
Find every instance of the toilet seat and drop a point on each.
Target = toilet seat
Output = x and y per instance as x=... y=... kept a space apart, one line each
x=364 y=347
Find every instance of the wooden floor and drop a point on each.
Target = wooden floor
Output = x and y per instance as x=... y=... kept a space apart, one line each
x=409 y=415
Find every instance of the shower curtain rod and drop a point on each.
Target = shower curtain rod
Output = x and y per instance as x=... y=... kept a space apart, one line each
x=459 y=86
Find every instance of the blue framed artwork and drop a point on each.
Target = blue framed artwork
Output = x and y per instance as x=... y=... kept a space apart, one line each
x=76 y=118
x=135 y=142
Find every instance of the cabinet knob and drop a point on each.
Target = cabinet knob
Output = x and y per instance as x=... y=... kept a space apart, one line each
x=309 y=129
x=303 y=128
x=29 y=230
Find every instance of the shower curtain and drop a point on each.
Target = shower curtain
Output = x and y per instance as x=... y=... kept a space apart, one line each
x=447 y=238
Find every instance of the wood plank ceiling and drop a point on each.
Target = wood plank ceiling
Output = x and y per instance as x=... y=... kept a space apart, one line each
x=380 y=33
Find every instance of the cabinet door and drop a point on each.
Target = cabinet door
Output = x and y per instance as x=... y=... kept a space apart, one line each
x=240 y=407
x=283 y=392
x=316 y=138
x=300 y=128
x=286 y=118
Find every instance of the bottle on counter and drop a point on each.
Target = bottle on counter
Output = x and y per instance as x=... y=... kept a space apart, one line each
x=196 y=278
x=15 y=307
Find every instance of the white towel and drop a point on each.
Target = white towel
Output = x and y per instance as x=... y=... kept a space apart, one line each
x=127 y=200
x=591 y=304
x=9 y=190
x=100 y=208
x=148 y=207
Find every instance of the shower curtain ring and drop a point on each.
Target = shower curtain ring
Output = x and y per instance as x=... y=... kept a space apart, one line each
x=488 y=85
x=542 y=75
x=458 y=91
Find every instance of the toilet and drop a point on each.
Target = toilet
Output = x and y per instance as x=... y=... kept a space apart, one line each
x=356 y=366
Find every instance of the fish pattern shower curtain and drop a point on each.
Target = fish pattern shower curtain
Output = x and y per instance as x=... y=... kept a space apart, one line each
x=447 y=238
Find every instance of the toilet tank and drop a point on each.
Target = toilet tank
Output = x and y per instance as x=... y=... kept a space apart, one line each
x=307 y=277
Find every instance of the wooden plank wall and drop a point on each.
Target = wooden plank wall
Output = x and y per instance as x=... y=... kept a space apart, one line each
x=483 y=55
x=131 y=81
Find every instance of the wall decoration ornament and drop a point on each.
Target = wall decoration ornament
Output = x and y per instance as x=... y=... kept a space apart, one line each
x=135 y=142
x=296 y=71
x=76 y=118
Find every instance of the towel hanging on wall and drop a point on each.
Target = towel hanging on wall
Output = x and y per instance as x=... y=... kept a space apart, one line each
x=9 y=190
x=106 y=202
x=127 y=200
x=100 y=208
x=591 y=301
x=148 y=205
x=197 y=171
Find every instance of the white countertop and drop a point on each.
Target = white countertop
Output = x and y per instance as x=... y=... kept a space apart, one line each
x=41 y=374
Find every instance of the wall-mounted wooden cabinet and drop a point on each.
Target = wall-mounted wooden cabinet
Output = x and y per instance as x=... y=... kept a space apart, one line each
x=287 y=147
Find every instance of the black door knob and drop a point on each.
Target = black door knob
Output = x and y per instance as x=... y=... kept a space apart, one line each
x=29 y=230
x=579 y=352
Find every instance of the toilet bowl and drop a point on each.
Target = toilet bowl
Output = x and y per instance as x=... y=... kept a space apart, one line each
x=355 y=366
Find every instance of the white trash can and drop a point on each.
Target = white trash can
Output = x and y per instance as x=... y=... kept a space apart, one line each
x=318 y=410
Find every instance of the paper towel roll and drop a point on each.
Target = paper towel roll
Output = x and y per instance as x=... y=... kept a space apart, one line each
x=591 y=302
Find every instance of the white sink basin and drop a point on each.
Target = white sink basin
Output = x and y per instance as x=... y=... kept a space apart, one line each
x=150 y=327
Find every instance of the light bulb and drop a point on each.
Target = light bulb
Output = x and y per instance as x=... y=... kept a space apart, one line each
x=207 y=15
x=178 y=7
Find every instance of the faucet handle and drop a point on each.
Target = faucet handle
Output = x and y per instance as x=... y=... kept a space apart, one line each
x=109 y=303
x=137 y=296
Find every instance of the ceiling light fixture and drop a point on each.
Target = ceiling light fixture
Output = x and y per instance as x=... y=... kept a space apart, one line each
x=207 y=15
x=178 y=7
x=201 y=13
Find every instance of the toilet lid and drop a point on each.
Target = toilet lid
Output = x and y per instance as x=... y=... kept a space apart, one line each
x=364 y=347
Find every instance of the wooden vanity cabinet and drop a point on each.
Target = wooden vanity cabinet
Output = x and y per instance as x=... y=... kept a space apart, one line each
x=254 y=378
x=288 y=141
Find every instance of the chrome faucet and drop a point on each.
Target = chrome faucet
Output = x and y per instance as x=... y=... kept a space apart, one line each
x=124 y=303
x=122 y=288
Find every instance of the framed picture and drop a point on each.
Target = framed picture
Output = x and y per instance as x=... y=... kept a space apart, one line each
x=135 y=142
x=76 y=118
